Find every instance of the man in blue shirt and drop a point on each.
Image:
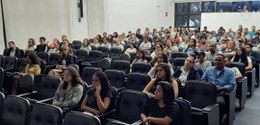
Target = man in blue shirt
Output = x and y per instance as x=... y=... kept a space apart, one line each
x=220 y=75
x=223 y=78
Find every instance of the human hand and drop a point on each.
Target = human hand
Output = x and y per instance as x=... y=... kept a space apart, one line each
x=98 y=89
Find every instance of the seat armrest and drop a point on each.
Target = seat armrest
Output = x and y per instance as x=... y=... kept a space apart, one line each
x=211 y=113
x=139 y=122
x=48 y=100
x=106 y=114
x=116 y=122
x=29 y=94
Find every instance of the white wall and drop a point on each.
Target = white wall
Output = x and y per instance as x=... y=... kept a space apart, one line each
x=49 y=18
x=229 y=20
x=96 y=17
x=125 y=15
x=2 y=44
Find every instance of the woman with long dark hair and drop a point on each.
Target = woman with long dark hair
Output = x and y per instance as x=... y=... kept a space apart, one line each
x=162 y=109
x=242 y=57
x=98 y=97
x=163 y=73
x=70 y=90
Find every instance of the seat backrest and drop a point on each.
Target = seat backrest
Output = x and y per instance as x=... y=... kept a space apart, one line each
x=1 y=60
x=129 y=105
x=178 y=54
x=1 y=77
x=116 y=78
x=2 y=97
x=21 y=64
x=45 y=114
x=104 y=50
x=81 y=54
x=185 y=112
x=80 y=118
x=26 y=84
x=76 y=42
x=104 y=64
x=54 y=59
x=137 y=81
x=43 y=66
x=44 y=56
x=126 y=57
x=196 y=90
x=9 y=62
x=16 y=111
x=121 y=65
x=179 y=61
x=48 y=87
x=141 y=68
x=87 y=74
x=240 y=66
x=115 y=52
x=94 y=55
x=37 y=82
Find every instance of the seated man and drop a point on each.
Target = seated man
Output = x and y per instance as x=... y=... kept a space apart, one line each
x=238 y=74
x=201 y=63
x=223 y=78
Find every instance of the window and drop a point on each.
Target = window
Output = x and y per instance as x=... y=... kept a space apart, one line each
x=208 y=6
x=188 y=14
x=224 y=7
x=239 y=6
x=255 y=6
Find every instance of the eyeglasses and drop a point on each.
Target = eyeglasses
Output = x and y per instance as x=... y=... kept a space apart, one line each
x=66 y=74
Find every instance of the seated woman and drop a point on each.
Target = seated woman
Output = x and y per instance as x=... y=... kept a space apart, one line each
x=230 y=49
x=65 y=59
x=162 y=109
x=139 y=58
x=242 y=57
x=131 y=49
x=86 y=45
x=54 y=46
x=98 y=97
x=70 y=90
x=162 y=74
x=192 y=49
x=31 y=46
x=162 y=58
x=33 y=67
x=158 y=50
x=186 y=72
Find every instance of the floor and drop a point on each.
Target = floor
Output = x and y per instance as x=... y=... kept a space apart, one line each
x=250 y=115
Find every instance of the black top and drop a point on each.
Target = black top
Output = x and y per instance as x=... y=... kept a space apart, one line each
x=92 y=102
x=42 y=48
x=153 y=109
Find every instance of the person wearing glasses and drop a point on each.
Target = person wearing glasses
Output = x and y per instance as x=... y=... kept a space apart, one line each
x=186 y=72
x=65 y=59
x=70 y=90
x=161 y=58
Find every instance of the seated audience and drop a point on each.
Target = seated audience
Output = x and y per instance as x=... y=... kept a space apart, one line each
x=242 y=57
x=65 y=59
x=43 y=46
x=98 y=98
x=238 y=75
x=145 y=45
x=31 y=46
x=163 y=73
x=186 y=72
x=131 y=49
x=54 y=47
x=70 y=90
x=230 y=50
x=253 y=54
x=170 y=48
x=192 y=48
x=119 y=45
x=162 y=109
x=106 y=43
x=162 y=58
x=140 y=58
x=86 y=45
x=158 y=49
x=223 y=78
x=95 y=43
x=212 y=51
x=33 y=67
x=201 y=63
x=12 y=50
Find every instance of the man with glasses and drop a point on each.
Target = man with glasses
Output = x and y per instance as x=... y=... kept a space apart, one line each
x=223 y=78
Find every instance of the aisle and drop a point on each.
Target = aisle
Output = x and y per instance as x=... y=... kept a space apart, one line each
x=250 y=115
